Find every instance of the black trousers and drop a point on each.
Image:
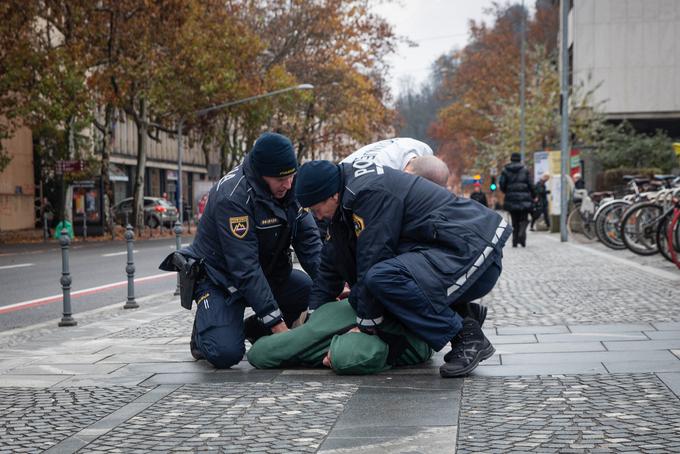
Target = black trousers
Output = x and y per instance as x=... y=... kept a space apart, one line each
x=536 y=215
x=519 y=220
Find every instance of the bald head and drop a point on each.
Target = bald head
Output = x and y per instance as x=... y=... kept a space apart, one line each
x=430 y=167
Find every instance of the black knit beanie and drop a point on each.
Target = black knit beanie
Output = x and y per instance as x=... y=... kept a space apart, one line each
x=316 y=181
x=515 y=157
x=273 y=155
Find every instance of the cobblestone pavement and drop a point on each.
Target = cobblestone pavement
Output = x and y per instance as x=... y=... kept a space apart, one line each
x=32 y=420
x=233 y=418
x=585 y=414
x=587 y=360
x=22 y=336
x=174 y=325
x=549 y=283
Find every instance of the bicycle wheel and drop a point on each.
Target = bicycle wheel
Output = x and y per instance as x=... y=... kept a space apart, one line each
x=575 y=222
x=638 y=228
x=579 y=228
x=662 y=236
x=608 y=222
x=589 y=228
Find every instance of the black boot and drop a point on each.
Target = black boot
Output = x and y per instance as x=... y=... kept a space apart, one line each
x=473 y=310
x=470 y=347
x=195 y=352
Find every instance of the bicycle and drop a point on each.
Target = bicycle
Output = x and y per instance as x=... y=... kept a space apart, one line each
x=581 y=218
x=608 y=216
x=640 y=222
x=668 y=232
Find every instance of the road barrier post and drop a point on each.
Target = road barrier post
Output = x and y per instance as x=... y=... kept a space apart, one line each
x=66 y=319
x=130 y=269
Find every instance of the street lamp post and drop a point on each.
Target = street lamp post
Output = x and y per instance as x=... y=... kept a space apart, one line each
x=564 y=138
x=207 y=110
x=522 y=83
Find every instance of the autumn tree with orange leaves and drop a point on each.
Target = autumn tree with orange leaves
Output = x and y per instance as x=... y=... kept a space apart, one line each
x=487 y=75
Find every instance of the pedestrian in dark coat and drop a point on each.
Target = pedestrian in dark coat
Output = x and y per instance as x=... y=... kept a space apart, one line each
x=515 y=183
x=477 y=195
x=407 y=247
x=541 y=202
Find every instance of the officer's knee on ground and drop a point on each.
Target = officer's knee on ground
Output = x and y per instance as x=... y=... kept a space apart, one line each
x=222 y=354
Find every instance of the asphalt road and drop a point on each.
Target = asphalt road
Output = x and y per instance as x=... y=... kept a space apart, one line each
x=30 y=291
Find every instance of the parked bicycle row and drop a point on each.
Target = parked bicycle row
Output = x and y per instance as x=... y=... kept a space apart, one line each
x=646 y=219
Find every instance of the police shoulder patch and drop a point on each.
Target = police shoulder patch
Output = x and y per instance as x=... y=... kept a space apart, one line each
x=239 y=226
x=358 y=224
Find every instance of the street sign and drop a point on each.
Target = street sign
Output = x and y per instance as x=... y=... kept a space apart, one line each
x=83 y=184
x=76 y=165
x=493 y=171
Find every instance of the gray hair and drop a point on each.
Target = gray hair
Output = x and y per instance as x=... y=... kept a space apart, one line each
x=430 y=167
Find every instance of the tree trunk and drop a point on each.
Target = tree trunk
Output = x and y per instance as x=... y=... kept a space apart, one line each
x=138 y=202
x=107 y=149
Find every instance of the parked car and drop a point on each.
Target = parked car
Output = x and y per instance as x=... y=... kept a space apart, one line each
x=156 y=209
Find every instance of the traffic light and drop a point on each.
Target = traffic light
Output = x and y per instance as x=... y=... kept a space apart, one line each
x=493 y=186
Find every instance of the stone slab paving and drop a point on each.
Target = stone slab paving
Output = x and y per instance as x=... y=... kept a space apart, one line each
x=563 y=320
x=589 y=413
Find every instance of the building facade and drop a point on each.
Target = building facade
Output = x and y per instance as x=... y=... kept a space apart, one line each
x=161 y=175
x=17 y=185
x=627 y=53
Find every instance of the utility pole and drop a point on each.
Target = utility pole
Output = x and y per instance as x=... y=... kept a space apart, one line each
x=180 y=157
x=564 y=139
x=522 y=133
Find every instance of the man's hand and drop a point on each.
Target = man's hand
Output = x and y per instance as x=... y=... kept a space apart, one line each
x=279 y=328
x=327 y=360
x=345 y=292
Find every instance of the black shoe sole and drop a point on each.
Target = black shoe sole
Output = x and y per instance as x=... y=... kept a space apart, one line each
x=481 y=356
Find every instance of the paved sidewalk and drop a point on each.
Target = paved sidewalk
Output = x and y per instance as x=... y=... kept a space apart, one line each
x=587 y=360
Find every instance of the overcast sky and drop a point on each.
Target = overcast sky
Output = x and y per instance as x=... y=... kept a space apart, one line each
x=436 y=25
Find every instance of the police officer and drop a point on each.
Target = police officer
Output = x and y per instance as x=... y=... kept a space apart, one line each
x=250 y=221
x=408 y=247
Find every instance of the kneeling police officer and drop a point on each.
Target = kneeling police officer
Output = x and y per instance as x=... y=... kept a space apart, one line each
x=409 y=249
x=243 y=245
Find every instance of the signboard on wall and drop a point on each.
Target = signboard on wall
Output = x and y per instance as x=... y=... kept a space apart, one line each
x=551 y=162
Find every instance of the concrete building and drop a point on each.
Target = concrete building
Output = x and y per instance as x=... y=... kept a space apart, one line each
x=627 y=51
x=17 y=185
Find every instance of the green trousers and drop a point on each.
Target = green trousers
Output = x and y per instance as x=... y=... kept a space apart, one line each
x=351 y=353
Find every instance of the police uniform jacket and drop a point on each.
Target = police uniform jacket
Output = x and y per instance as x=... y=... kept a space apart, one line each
x=384 y=213
x=245 y=235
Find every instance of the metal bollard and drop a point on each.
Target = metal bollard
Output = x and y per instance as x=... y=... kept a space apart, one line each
x=178 y=246
x=130 y=269
x=84 y=226
x=46 y=230
x=66 y=319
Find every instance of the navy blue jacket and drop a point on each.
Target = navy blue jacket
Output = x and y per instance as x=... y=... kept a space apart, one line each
x=384 y=213
x=245 y=236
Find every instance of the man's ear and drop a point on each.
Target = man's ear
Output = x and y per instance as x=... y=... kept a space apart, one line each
x=336 y=196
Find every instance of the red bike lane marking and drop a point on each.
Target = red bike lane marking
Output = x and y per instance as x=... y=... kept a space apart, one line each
x=87 y=291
